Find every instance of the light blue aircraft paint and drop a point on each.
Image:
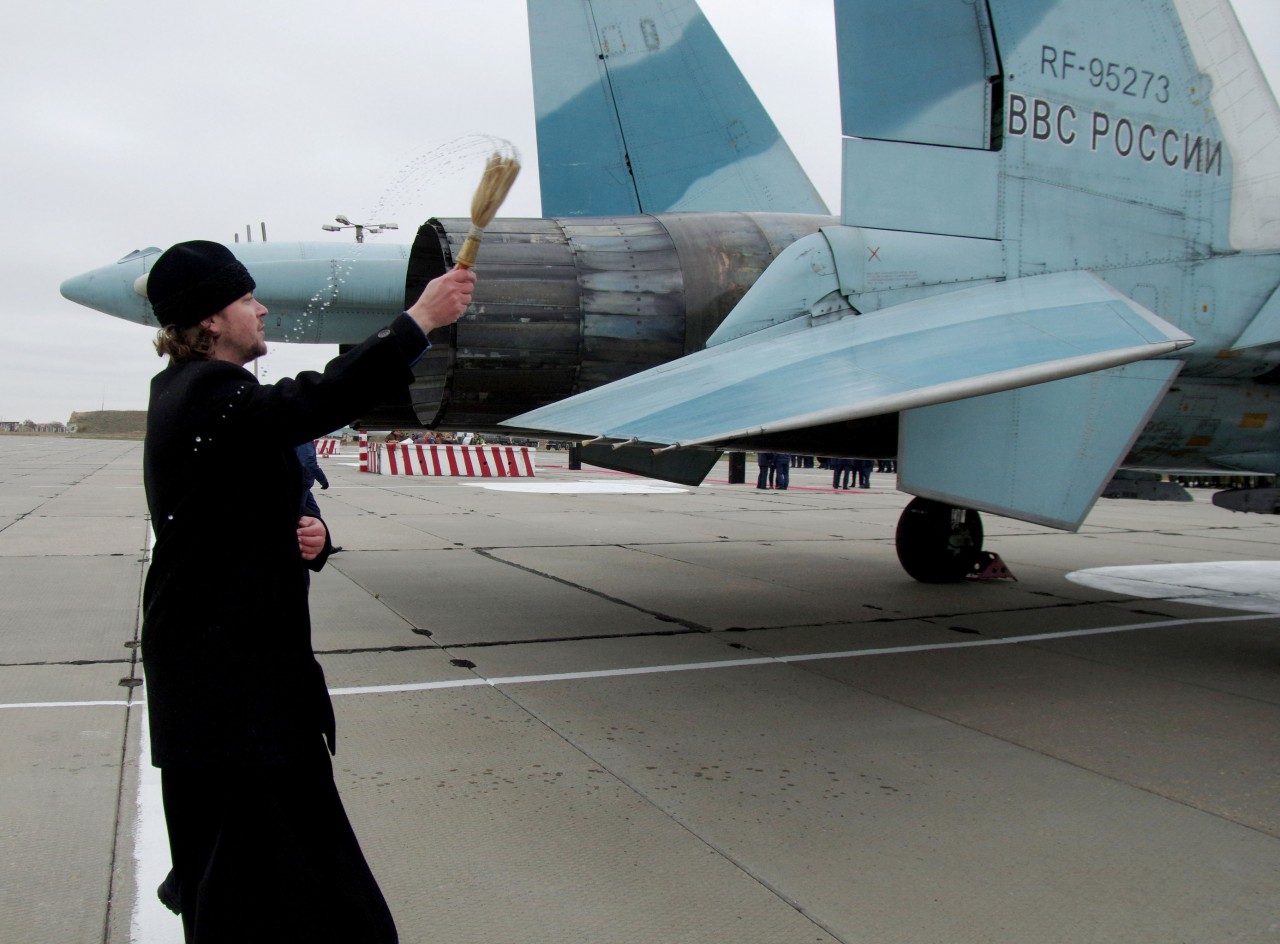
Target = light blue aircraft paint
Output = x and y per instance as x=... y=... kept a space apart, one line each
x=1056 y=256
x=317 y=293
x=1000 y=142
x=616 y=88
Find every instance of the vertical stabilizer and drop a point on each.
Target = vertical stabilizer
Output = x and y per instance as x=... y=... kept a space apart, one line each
x=640 y=109
x=1083 y=133
x=920 y=105
x=1246 y=110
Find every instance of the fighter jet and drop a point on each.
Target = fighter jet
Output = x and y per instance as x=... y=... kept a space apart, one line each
x=1056 y=258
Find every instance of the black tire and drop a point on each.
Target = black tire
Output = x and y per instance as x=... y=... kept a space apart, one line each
x=938 y=543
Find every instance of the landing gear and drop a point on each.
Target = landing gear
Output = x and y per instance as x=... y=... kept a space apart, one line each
x=939 y=543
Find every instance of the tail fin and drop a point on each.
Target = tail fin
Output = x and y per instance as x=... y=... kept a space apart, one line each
x=1084 y=133
x=1247 y=112
x=648 y=113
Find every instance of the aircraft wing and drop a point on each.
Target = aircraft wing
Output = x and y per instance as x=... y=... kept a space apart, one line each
x=805 y=372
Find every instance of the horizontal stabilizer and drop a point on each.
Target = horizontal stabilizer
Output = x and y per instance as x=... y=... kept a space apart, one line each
x=802 y=373
x=1041 y=454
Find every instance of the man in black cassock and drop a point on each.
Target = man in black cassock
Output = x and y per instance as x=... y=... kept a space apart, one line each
x=241 y=723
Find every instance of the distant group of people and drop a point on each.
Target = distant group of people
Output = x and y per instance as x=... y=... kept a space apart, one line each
x=775 y=469
x=844 y=470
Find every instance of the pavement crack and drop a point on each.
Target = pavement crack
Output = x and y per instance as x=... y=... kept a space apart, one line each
x=376 y=649
x=689 y=625
x=583 y=638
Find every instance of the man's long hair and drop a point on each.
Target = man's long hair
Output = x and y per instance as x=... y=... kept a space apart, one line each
x=184 y=344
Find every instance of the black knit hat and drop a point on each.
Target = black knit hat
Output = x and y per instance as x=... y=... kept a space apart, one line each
x=193 y=280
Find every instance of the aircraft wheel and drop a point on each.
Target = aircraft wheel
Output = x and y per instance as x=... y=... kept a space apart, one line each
x=938 y=543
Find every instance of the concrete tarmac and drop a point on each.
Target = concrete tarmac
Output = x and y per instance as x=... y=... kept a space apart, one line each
x=613 y=710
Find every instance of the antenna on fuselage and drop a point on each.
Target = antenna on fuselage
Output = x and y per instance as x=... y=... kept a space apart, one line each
x=248 y=233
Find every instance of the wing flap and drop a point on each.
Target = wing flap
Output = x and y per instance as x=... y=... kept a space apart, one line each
x=805 y=373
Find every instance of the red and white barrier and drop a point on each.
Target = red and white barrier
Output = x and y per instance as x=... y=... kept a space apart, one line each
x=328 y=447
x=439 y=459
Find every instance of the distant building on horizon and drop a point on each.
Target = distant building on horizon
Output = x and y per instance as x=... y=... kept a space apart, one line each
x=30 y=426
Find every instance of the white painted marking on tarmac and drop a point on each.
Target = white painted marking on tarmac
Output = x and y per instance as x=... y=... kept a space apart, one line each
x=1229 y=585
x=67 y=704
x=783 y=660
x=396 y=486
x=1015 y=640
x=580 y=488
x=721 y=664
x=638 y=670
x=392 y=485
x=407 y=687
x=151 y=922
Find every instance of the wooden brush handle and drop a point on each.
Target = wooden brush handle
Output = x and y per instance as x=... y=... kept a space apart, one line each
x=470 y=246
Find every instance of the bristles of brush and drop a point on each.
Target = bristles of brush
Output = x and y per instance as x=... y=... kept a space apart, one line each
x=499 y=174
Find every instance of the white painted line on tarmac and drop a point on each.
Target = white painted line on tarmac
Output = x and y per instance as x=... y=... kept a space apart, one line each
x=638 y=670
x=719 y=664
x=557 y=677
x=585 y=487
x=1036 y=637
x=68 y=704
x=782 y=660
x=394 y=485
x=151 y=922
x=545 y=488
x=408 y=687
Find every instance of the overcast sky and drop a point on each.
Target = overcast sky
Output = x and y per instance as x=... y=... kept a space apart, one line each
x=144 y=123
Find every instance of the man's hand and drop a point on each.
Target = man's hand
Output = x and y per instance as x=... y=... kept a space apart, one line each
x=444 y=299
x=311 y=535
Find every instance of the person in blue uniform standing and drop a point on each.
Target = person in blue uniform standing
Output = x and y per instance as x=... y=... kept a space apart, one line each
x=241 y=724
x=782 y=464
x=311 y=473
x=841 y=472
x=768 y=469
x=863 y=467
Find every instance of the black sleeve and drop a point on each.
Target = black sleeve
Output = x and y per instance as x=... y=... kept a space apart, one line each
x=296 y=409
